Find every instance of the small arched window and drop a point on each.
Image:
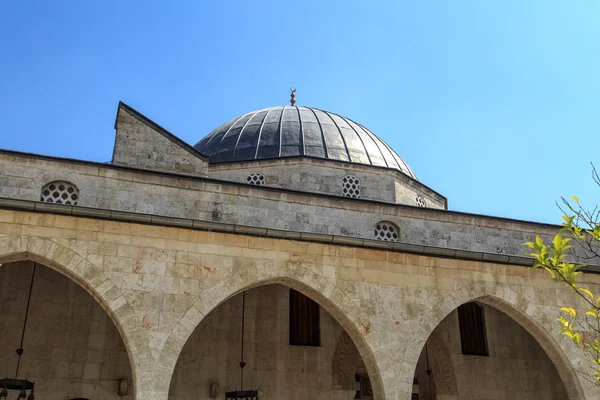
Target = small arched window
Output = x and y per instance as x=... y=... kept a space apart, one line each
x=351 y=186
x=256 y=179
x=60 y=192
x=387 y=231
x=420 y=201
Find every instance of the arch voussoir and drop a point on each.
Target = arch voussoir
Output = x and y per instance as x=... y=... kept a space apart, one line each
x=324 y=291
x=538 y=321
x=93 y=280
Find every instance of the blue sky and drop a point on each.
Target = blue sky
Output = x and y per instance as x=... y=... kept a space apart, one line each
x=495 y=105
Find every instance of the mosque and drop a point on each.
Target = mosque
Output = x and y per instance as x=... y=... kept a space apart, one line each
x=291 y=254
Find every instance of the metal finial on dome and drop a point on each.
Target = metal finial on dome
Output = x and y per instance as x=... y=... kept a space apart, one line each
x=293 y=95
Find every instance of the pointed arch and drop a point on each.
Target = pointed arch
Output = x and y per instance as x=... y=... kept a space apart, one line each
x=442 y=367
x=344 y=361
x=302 y=279
x=535 y=319
x=94 y=281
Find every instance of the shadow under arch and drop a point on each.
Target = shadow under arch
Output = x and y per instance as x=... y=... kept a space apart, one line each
x=91 y=278
x=524 y=312
x=437 y=357
x=321 y=290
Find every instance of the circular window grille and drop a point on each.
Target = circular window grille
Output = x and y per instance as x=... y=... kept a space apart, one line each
x=60 y=192
x=351 y=186
x=421 y=201
x=256 y=179
x=387 y=231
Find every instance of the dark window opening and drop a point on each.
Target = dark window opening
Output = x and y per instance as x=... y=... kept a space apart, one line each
x=472 y=329
x=365 y=389
x=305 y=328
x=365 y=386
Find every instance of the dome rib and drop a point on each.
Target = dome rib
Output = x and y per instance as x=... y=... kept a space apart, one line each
x=374 y=142
x=301 y=131
x=237 y=142
x=341 y=134
x=231 y=127
x=283 y=132
x=320 y=129
x=214 y=135
x=359 y=138
x=281 y=129
x=262 y=124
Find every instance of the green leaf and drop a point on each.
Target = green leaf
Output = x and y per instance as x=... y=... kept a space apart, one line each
x=557 y=242
x=569 y=334
x=592 y=313
x=569 y=310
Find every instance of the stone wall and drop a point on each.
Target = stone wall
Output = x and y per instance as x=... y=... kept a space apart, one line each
x=72 y=348
x=278 y=370
x=159 y=284
x=323 y=176
x=104 y=187
x=141 y=143
x=516 y=368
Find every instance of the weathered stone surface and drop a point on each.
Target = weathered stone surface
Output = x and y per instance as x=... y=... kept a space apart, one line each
x=207 y=200
x=388 y=303
x=72 y=348
x=142 y=144
x=517 y=366
x=323 y=176
x=280 y=371
x=168 y=291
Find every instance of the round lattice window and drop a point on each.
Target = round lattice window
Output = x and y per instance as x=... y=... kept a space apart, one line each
x=387 y=231
x=256 y=179
x=420 y=201
x=60 y=192
x=351 y=186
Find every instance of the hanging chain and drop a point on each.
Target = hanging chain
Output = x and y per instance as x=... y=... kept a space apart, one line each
x=20 y=349
x=428 y=370
x=242 y=363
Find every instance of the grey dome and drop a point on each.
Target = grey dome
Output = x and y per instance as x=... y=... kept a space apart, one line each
x=290 y=131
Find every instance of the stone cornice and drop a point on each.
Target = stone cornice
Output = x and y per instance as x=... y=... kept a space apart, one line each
x=431 y=251
x=428 y=213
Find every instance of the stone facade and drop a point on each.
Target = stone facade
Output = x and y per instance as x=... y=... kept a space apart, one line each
x=517 y=367
x=141 y=143
x=113 y=188
x=212 y=353
x=158 y=283
x=324 y=176
x=71 y=345
x=165 y=253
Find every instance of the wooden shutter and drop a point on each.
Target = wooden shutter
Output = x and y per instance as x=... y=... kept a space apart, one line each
x=472 y=329
x=305 y=329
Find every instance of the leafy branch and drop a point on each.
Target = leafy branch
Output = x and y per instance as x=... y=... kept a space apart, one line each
x=582 y=328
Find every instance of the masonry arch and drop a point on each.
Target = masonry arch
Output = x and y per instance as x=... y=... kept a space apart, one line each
x=331 y=298
x=435 y=375
x=536 y=320
x=74 y=267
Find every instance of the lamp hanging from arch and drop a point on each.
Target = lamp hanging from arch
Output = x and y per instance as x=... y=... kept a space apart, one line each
x=242 y=394
x=22 y=385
